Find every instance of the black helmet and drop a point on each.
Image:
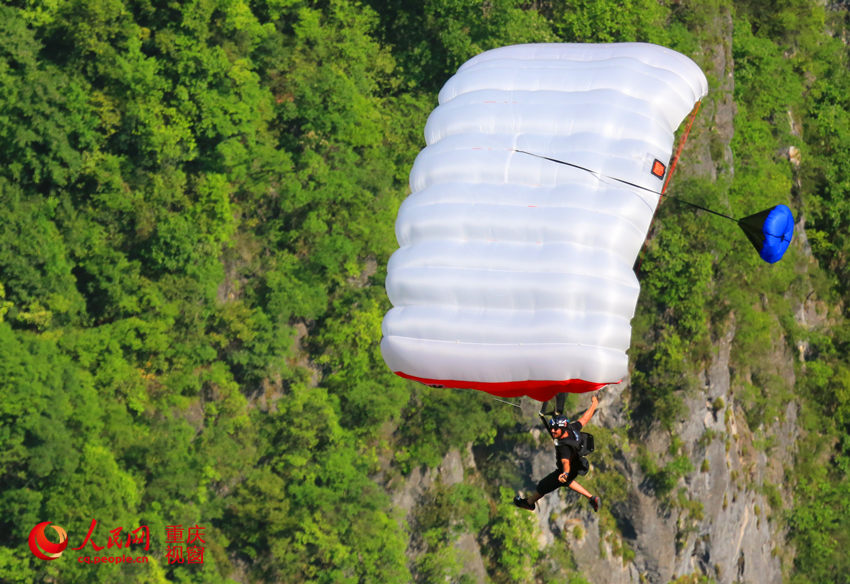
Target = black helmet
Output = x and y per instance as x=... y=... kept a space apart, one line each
x=558 y=422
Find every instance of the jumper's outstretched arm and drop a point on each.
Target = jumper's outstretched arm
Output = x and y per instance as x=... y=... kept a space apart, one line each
x=585 y=418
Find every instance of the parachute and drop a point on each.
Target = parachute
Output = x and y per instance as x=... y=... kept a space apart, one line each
x=770 y=231
x=542 y=171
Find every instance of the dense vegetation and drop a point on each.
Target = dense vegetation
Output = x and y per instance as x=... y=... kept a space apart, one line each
x=197 y=209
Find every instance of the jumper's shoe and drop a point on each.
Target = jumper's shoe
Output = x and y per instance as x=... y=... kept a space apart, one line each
x=595 y=502
x=523 y=503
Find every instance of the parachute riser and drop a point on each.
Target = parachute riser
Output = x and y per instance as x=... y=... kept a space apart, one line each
x=545 y=425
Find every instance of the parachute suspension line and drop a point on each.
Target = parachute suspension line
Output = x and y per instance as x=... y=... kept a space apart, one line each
x=681 y=146
x=507 y=402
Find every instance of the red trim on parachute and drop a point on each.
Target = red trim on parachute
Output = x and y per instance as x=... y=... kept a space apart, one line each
x=682 y=141
x=541 y=390
x=681 y=146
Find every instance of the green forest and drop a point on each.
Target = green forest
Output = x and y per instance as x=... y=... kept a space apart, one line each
x=198 y=201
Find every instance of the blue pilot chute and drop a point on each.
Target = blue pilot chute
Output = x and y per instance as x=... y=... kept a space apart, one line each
x=770 y=231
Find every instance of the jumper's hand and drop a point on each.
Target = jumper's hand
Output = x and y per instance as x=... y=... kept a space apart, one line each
x=562 y=477
x=594 y=400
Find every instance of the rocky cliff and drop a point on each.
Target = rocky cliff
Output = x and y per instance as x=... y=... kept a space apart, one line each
x=728 y=535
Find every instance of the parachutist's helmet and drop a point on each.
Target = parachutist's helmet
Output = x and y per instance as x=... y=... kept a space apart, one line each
x=558 y=422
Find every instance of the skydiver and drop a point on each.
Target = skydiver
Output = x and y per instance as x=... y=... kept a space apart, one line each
x=567 y=436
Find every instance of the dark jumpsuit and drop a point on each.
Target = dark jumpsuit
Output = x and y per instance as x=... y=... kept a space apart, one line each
x=563 y=449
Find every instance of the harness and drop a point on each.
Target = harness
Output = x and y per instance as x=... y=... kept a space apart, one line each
x=583 y=444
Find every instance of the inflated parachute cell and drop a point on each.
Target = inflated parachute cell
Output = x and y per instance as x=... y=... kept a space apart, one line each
x=529 y=205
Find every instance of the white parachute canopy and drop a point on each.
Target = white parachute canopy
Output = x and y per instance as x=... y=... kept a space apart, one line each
x=542 y=171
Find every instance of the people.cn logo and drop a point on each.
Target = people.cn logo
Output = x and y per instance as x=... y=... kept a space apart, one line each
x=42 y=547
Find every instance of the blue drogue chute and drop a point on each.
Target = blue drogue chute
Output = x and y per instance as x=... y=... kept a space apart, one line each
x=770 y=231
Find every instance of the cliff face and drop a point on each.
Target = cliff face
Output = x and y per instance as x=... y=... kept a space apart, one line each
x=730 y=539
